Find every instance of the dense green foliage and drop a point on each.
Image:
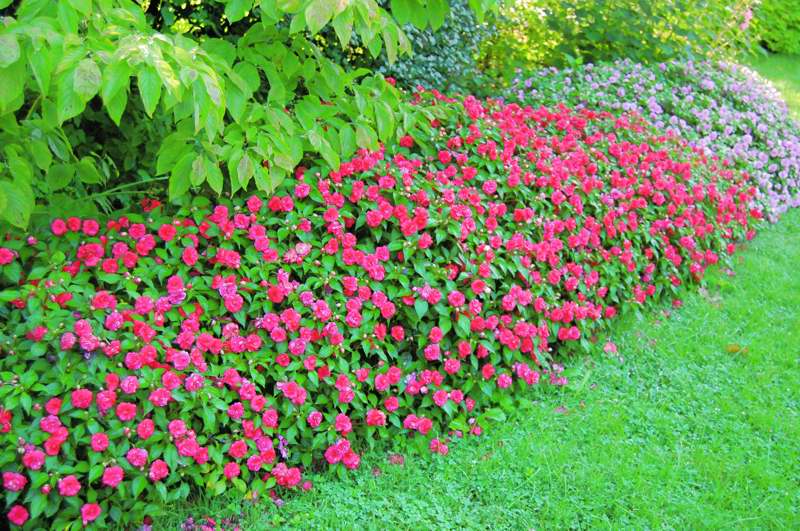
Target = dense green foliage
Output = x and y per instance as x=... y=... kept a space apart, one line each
x=551 y=32
x=100 y=97
x=778 y=23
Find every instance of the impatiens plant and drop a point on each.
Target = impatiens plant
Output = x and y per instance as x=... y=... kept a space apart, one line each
x=407 y=296
x=724 y=108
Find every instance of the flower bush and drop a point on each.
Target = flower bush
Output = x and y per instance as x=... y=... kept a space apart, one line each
x=727 y=109
x=408 y=296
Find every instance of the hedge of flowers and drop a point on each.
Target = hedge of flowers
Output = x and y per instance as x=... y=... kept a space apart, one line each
x=727 y=109
x=408 y=296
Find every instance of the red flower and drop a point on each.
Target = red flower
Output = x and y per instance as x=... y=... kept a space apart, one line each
x=18 y=515
x=376 y=417
x=167 y=232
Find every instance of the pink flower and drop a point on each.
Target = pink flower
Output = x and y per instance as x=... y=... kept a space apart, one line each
x=238 y=449
x=58 y=227
x=33 y=459
x=391 y=403
x=90 y=512
x=14 y=482
x=137 y=457
x=81 y=398
x=99 y=442
x=145 y=429
x=158 y=470
x=126 y=411
x=113 y=476
x=6 y=256
x=68 y=486
x=269 y=419
x=314 y=419
x=231 y=470
x=343 y=424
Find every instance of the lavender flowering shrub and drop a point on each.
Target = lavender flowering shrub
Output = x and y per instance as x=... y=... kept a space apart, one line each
x=725 y=108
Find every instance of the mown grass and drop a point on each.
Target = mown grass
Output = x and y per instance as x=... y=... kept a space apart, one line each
x=784 y=71
x=695 y=424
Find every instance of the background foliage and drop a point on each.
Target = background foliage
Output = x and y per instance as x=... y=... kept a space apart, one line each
x=551 y=32
x=778 y=23
x=103 y=98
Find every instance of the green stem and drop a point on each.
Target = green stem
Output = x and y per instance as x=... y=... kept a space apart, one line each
x=33 y=106
x=128 y=185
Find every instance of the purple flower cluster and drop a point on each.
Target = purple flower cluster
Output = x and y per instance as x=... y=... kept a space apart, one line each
x=727 y=109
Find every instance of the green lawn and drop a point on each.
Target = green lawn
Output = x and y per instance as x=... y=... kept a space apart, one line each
x=784 y=72
x=695 y=425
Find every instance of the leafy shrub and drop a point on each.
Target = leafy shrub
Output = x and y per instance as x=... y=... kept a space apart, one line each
x=778 y=23
x=244 y=82
x=445 y=59
x=551 y=32
x=445 y=43
x=407 y=296
x=726 y=109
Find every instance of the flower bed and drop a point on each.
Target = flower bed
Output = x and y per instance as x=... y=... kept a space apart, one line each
x=726 y=109
x=408 y=296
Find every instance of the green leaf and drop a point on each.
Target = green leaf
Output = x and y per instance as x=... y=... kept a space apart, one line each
x=322 y=145
x=318 y=13
x=463 y=325
x=84 y=6
x=59 y=176
x=366 y=137
x=12 y=86
x=19 y=202
x=149 y=88
x=236 y=9
x=402 y=10
x=179 y=179
x=437 y=13
x=386 y=122
x=244 y=170
x=347 y=140
x=421 y=307
x=390 y=39
x=86 y=79
x=343 y=26
x=87 y=171
x=9 y=50
x=198 y=175
x=70 y=103
x=38 y=505
x=41 y=154
x=117 y=105
x=42 y=63
x=214 y=176
x=139 y=484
